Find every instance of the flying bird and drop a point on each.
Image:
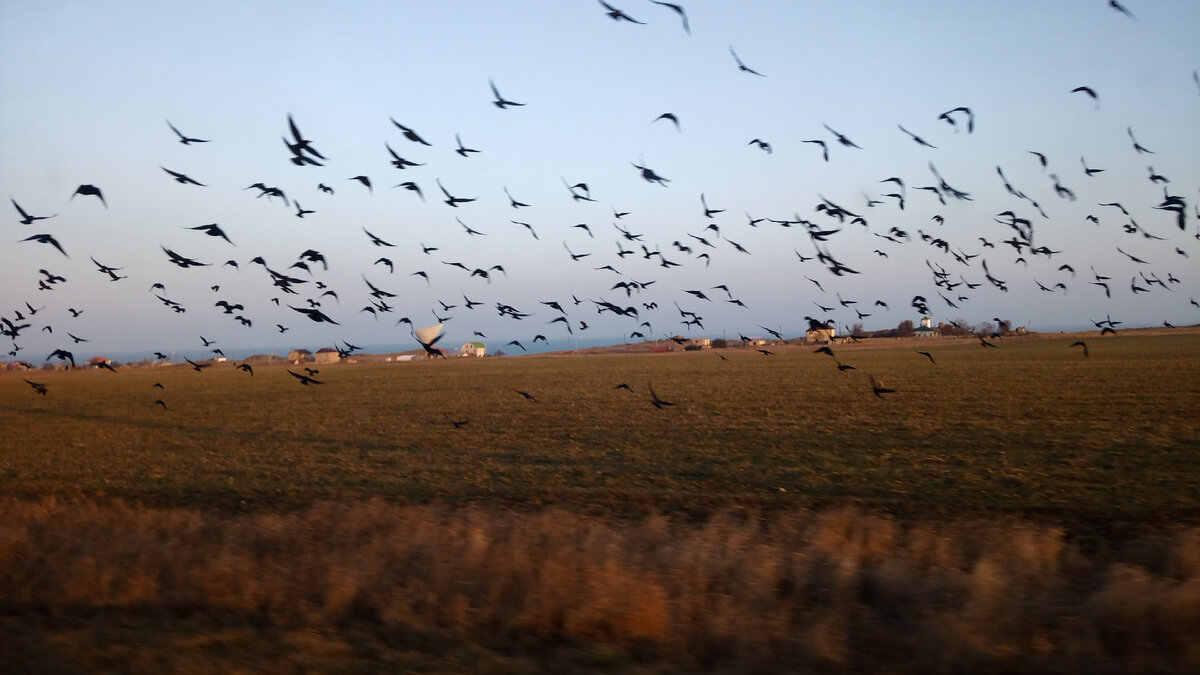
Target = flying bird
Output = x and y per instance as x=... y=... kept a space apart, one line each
x=678 y=10
x=741 y=66
x=304 y=379
x=182 y=178
x=186 y=140
x=92 y=190
x=841 y=138
x=47 y=239
x=618 y=15
x=1090 y=92
x=212 y=230
x=671 y=118
x=501 y=102
x=27 y=219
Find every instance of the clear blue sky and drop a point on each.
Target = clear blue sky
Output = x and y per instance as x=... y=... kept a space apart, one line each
x=88 y=89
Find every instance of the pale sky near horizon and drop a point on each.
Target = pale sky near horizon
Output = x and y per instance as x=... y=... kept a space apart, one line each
x=87 y=89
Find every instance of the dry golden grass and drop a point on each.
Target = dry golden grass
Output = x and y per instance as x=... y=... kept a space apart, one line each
x=342 y=587
x=1020 y=509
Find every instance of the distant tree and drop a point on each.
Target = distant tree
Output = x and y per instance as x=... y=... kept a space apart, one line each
x=719 y=343
x=1005 y=327
x=857 y=329
x=904 y=329
x=987 y=328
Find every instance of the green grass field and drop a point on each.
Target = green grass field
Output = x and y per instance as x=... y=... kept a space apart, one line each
x=1016 y=508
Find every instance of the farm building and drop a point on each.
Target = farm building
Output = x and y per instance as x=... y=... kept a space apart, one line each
x=473 y=349
x=300 y=356
x=823 y=333
x=327 y=355
x=926 y=329
x=698 y=343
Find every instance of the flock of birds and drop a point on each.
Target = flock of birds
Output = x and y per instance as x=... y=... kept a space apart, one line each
x=295 y=289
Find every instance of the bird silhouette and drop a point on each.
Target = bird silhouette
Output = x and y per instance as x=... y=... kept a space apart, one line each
x=186 y=140
x=678 y=10
x=304 y=379
x=27 y=219
x=656 y=401
x=47 y=239
x=741 y=66
x=841 y=138
x=409 y=133
x=182 y=178
x=878 y=389
x=212 y=230
x=499 y=101
x=1090 y=92
x=91 y=190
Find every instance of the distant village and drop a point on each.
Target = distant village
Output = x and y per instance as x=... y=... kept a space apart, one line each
x=818 y=333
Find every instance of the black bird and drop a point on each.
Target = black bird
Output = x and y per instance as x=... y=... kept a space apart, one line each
x=198 y=367
x=1090 y=92
x=37 y=386
x=301 y=212
x=928 y=356
x=512 y=202
x=917 y=139
x=708 y=213
x=656 y=401
x=840 y=137
x=527 y=395
x=946 y=116
x=365 y=181
x=315 y=314
x=86 y=189
x=501 y=102
x=451 y=199
x=47 y=239
x=1117 y=6
x=458 y=424
x=182 y=261
x=181 y=178
x=314 y=256
x=186 y=140
x=668 y=116
x=824 y=148
x=398 y=161
x=412 y=187
x=300 y=146
x=410 y=134
x=376 y=240
x=62 y=355
x=245 y=367
x=678 y=10
x=617 y=15
x=878 y=388
x=212 y=230
x=741 y=66
x=27 y=219
x=1137 y=146
x=462 y=150
x=161 y=403
x=1081 y=343
x=761 y=144
x=304 y=379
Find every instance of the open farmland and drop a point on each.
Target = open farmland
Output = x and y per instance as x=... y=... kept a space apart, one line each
x=1023 y=502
